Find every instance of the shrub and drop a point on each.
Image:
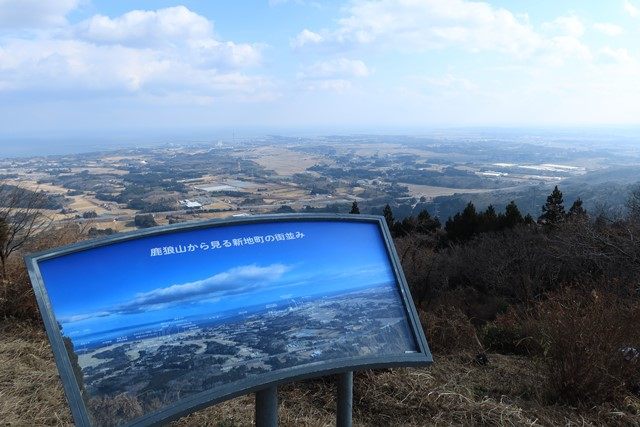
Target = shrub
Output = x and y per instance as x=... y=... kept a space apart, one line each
x=16 y=293
x=16 y=297
x=449 y=330
x=586 y=337
x=510 y=334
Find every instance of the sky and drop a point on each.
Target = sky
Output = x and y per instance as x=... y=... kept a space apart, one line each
x=131 y=283
x=113 y=69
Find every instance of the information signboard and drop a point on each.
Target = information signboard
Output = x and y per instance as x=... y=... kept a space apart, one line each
x=150 y=325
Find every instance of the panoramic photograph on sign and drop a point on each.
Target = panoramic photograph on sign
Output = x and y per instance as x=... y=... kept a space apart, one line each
x=147 y=322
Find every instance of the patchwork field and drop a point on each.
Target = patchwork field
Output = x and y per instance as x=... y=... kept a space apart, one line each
x=284 y=161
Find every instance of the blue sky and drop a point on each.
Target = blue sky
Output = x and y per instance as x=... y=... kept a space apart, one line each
x=164 y=68
x=123 y=285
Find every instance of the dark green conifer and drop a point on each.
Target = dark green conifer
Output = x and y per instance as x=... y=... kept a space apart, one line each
x=512 y=216
x=463 y=225
x=576 y=211
x=426 y=224
x=553 y=210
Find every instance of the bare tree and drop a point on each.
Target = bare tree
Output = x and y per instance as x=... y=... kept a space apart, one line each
x=21 y=215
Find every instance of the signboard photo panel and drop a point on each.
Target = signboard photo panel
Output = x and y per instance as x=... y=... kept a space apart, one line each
x=150 y=325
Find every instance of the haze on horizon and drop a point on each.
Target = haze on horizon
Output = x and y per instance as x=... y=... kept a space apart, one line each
x=73 y=68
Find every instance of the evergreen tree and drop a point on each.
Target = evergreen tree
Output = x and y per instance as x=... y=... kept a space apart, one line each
x=512 y=216
x=576 y=211
x=425 y=224
x=388 y=217
x=488 y=220
x=404 y=227
x=463 y=225
x=553 y=210
x=528 y=220
x=354 y=208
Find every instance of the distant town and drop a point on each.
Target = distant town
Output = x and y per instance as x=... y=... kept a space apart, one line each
x=139 y=187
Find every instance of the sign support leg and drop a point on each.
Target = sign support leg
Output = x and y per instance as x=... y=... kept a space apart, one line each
x=267 y=407
x=345 y=399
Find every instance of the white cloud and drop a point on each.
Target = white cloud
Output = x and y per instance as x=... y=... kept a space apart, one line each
x=157 y=53
x=619 y=55
x=570 y=26
x=237 y=280
x=81 y=317
x=334 y=75
x=306 y=37
x=174 y=29
x=147 y=27
x=429 y=24
x=608 y=28
x=339 y=67
x=449 y=82
x=329 y=85
x=34 y=13
x=631 y=9
x=560 y=49
x=421 y=25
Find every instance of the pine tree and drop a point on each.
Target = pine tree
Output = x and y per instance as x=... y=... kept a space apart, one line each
x=576 y=211
x=528 y=220
x=553 y=210
x=354 y=208
x=463 y=225
x=426 y=224
x=512 y=216
x=488 y=220
x=405 y=227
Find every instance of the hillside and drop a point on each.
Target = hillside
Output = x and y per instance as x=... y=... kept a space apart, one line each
x=455 y=390
x=529 y=322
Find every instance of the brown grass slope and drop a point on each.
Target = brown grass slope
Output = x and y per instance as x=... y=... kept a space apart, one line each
x=454 y=391
x=556 y=309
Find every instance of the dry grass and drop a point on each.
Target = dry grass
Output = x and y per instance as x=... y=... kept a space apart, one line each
x=30 y=390
x=454 y=391
x=33 y=185
x=284 y=161
x=449 y=330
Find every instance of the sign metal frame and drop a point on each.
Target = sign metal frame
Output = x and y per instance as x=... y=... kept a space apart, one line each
x=245 y=386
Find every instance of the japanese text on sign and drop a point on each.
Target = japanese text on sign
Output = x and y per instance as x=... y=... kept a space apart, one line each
x=225 y=243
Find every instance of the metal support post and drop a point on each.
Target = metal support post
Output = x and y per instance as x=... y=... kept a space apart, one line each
x=345 y=399
x=267 y=407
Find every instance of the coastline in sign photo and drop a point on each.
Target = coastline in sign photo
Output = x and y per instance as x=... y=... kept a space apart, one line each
x=150 y=321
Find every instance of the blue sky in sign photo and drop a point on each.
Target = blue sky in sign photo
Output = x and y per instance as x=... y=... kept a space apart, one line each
x=131 y=283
